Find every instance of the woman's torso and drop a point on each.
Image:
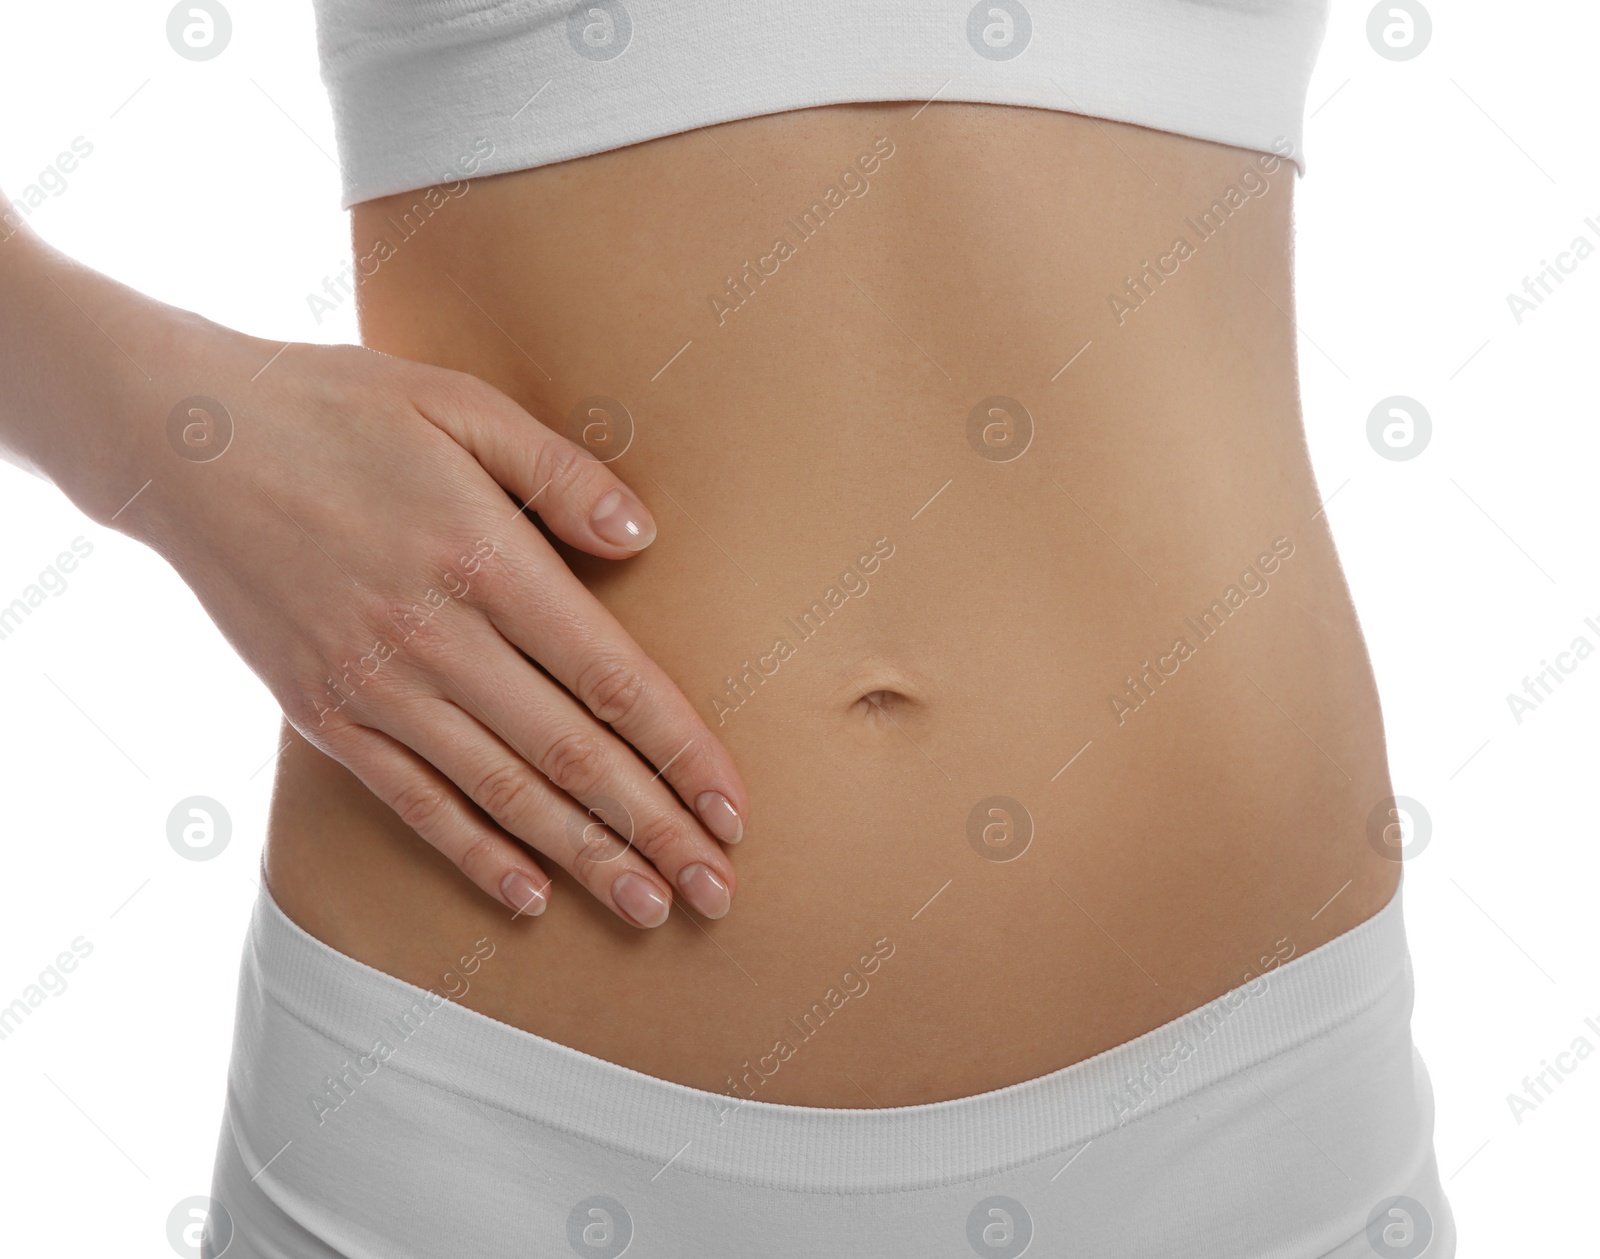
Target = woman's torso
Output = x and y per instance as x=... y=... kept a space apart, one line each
x=805 y=437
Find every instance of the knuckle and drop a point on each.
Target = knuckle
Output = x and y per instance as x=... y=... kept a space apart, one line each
x=400 y=632
x=480 y=862
x=309 y=706
x=586 y=850
x=336 y=733
x=474 y=570
x=596 y=857
x=574 y=763
x=700 y=758
x=611 y=690
x=588 y=866
x=330 y=696
x=461 y=571
x=419 y=805
x=357 y=692
x=657 y=835
x=504 y=792
x=563 y=465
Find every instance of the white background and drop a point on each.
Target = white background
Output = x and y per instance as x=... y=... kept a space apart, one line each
x=1434 y=186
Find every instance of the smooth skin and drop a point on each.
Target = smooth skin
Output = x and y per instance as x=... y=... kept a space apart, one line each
x=1224 y=820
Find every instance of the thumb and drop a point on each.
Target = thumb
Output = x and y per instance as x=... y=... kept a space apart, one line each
x=581 y=500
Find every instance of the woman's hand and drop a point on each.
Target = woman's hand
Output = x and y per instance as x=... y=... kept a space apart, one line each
x=340 y=515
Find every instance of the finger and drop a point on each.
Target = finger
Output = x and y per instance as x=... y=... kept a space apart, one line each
x=430 y=804
x=521 y=801
x=582 y=500
x=548 y=614
x=550 y=731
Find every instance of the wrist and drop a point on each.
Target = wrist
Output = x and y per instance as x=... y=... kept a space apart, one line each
x=102 y=369
x=63 y=377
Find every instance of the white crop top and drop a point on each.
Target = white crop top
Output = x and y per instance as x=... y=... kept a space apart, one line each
x=432 y=91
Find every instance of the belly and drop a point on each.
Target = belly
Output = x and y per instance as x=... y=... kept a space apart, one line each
x=988 y=545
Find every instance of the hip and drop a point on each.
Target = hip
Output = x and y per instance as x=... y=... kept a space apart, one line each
x=367 y=1116
x=967 y=890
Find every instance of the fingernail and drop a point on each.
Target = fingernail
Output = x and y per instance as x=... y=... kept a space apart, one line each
x=522 y=894
x=720 y=817
x=637 y=897
x=621 y=520
x=706 y=892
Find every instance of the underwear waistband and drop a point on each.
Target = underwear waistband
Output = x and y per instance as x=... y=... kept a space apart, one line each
x=778 y=1145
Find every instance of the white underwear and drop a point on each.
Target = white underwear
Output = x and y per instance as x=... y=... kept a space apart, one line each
x=367 y=1118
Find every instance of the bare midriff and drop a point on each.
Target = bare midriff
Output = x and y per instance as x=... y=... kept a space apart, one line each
x=990 y=548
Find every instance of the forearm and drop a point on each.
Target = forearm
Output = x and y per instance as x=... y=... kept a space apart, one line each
x=86 y=367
